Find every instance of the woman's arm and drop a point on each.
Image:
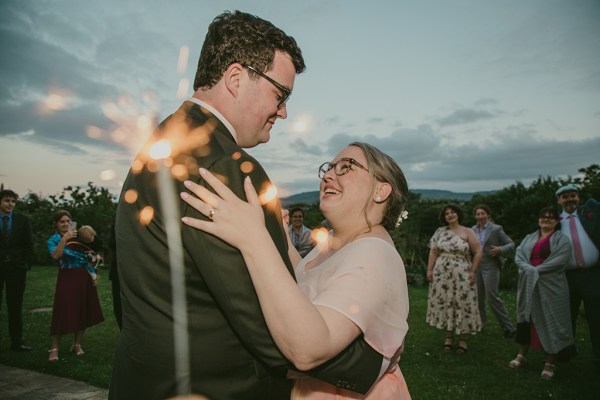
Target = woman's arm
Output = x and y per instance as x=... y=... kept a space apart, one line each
x=477 y=253
x=433 y=254
x=308 y=335
x=522 y=255
x=57 y=248
x=295 y=257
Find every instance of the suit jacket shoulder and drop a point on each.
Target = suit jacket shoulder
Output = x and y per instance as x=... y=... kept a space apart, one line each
x=589 y=216
x=20 y=245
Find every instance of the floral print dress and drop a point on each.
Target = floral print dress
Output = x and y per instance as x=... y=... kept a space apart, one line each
x=452 y=301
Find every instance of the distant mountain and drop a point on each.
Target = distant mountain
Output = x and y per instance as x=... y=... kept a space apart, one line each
x=427 y=194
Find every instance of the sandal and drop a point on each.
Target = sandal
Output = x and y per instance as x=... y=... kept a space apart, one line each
x=53 y=357
x=448 y=344
x=462 y=346
x=517 y=362
x=548 y=371
x=76 y=348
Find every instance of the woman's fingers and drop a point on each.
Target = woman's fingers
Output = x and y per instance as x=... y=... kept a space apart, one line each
x=220 y=188
x=198 y=224
x=251 y=194
x=204 y=203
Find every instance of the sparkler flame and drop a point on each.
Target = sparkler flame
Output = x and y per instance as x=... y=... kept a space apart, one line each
x=160 y=150
x=319 y=235
x=269 y=194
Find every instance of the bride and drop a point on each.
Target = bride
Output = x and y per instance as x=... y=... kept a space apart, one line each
x=351 y=284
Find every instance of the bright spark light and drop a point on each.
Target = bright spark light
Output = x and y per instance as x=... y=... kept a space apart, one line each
x=182 y=88
x=160 y=149
x=146 y=215
x=268 y=195
x=58 y=99
x=320 y=235
x=184 y=54
x=108 y=174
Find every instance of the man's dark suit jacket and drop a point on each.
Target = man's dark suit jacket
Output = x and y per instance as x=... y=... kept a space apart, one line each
x=18 y=252
x=589 y=216
x=15 y=260
x=232 y=353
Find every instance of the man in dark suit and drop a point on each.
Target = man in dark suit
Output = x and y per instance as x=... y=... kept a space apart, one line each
x=581 y=224
x=495 y=245
x=16 y=252
x=245 y=75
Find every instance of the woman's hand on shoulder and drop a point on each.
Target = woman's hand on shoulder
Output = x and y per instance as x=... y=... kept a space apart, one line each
x=229 y=218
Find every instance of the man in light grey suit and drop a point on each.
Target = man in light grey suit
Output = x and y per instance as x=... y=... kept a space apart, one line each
x=495 y=243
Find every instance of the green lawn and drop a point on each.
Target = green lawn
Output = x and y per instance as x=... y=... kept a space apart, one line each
x=481 y=373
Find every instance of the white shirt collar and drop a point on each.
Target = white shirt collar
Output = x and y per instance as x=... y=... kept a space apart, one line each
x=216 y=114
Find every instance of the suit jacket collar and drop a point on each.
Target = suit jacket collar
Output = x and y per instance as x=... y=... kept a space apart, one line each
x=217 y=114
x=488 y=230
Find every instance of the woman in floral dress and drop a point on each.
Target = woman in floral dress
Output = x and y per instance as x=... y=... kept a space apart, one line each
x=451 y=271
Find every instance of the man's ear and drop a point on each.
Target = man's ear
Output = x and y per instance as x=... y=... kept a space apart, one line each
x=233 y=78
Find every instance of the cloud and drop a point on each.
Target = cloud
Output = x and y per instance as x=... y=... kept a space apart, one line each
x=465 y=116
x=302 y=147
x=525 y=157
x=405 y=145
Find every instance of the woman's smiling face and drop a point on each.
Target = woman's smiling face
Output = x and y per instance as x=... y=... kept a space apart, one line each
x=346 y=195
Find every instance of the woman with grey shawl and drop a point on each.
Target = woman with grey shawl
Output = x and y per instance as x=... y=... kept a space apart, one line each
x=543 y=316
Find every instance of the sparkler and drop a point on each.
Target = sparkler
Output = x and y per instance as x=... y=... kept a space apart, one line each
x=161 y=151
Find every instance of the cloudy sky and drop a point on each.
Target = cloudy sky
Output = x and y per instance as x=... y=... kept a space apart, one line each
x=466 y=95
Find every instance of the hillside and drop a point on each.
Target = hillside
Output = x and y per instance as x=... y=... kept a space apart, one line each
x=426 y=194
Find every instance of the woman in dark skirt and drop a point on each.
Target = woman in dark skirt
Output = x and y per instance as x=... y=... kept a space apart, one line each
x=76 y=305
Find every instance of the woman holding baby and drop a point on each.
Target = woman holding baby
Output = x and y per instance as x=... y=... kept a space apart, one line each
x=76 y=305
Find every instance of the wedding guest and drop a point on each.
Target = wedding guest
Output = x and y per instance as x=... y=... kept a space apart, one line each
x=82 y=243
x=350 y=285
x=451 y=271
x=76 y=306
x=543 y=317
x=495 y=244
x=16 y=252
x=581 y=225
x=299 y=233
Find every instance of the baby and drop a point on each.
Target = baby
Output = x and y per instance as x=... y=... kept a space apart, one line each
x=85 y=237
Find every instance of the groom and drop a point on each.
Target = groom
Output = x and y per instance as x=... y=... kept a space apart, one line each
x=245 y=75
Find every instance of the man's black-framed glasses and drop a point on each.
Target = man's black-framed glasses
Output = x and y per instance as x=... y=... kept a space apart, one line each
x=285 y=92
x=341 y=167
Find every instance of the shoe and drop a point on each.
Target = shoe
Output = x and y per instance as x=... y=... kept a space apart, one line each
x=76 y=348
x=20 y=348
x=448 y=345
x=548 y=371
x=517 y=362
x=462 y=347
x=53 y=357
x=509 y=334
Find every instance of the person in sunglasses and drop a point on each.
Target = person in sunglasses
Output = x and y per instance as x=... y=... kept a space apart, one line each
x=244 y=79
x=350 y=285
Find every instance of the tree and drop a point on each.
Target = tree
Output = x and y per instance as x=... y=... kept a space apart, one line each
x=93 y=206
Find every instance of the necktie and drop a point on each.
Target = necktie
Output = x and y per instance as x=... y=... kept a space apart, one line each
x=5 y=228
x=576 y=243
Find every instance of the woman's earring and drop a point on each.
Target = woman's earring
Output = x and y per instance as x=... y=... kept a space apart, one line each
x=377 y=199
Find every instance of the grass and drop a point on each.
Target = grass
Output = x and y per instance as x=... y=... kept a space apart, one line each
x=481 y=373
x=99 y=341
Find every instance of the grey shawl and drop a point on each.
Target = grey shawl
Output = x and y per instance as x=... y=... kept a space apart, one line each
x=543 y=292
